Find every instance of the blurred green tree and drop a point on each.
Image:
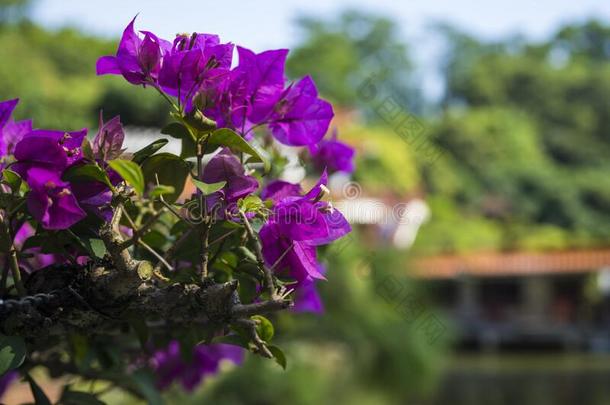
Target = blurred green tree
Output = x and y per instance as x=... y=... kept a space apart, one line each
x=343 y=52
x=526 y=129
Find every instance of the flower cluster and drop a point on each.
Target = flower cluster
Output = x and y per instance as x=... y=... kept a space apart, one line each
x=71 y=201
x=300 y=222
x=197 y=70
x=42 y=157
x=170 y=364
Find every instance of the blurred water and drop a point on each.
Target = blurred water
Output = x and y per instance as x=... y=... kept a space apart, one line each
x=553 y=379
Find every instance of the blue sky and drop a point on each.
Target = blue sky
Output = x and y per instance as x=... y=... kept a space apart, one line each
x=266 y=24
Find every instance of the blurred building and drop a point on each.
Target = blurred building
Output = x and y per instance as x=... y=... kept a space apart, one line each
x=524 y=299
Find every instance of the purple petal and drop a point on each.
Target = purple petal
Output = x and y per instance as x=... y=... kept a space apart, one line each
x=129 y=41
x=226 y=167
x=300 y=117
x=277 y=190
x=298 y=258
x=334 y=155
x=264 y=78
x=336 y=224
x=107 y=65
x=50 y=201
x=150 y=53
x=108 y=142
x=11 y=134
x=317 y=189
x=300 y=220
x=306 y=298
x=39 y=150
x=205 y=360
x=6 y=109
x=69 y=142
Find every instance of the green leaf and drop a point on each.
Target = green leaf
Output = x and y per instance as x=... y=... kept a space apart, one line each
x=87 y=172
x=246 y=253
x=278 y=355
x=250 y=203
x=155 y=239
x=189 y=148
x=148 y=150
x=130 y=172
x=171 y=170
x=40 y=398
x=12 y=353
x=176 y=130
x=160 y=190
x=145 y=381
x=248 y=287
x=12 y=179
x=264 y=327
x=232 y=140
x=208 y=189
x=94 y=246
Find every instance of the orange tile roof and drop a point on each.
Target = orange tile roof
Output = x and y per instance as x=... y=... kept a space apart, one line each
x=509 y=264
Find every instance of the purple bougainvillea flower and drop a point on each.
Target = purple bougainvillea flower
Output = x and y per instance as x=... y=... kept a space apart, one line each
x=195 y=64
x=296 y=226
x=226 y=167
x=251 y=91
x=137 y=59
x=297 y=257
x=33 y=147
x=170 y=365
x=333 y=155
x=6 y=110
x=11 y=131
x=300 y=118
x=94 y=196
x=50 y=200
x=277 y=190
x=38 y=260
x=262 y=77
x=254 y=94
x=306 y=297
x=44 y=152
x=108 y=141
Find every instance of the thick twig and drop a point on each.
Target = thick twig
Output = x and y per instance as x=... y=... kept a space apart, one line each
x=264 y=307
x=205 y=247
x=204 y=227
x=258 y=251
x=110 y=235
